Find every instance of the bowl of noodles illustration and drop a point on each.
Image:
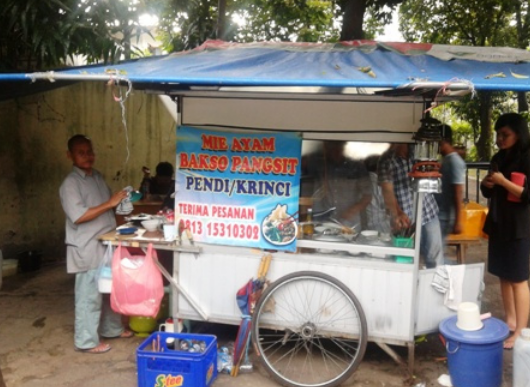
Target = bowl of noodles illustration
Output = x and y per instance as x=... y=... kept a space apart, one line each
x=279 y=228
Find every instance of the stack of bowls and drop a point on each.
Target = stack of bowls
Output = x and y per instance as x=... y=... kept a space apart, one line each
x=151 y=225
x=468 y=317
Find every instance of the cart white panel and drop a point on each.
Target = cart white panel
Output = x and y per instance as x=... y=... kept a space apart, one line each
x=383 y=288
x=388 y=121
x=431 y=309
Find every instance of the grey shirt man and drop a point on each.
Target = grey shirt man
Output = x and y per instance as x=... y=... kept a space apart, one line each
x=78 y=193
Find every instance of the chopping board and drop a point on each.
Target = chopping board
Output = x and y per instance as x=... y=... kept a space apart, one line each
x=120 y=237
x=153 y=234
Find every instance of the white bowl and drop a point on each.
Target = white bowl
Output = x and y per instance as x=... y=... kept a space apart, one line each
x=468 y=317
x=370 y=234
x=151 y=225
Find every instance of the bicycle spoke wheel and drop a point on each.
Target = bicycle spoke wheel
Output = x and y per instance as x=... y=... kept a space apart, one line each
x=310 y=330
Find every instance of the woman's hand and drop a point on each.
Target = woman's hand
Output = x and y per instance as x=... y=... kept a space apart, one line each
x=488 y=181
x=497 y=178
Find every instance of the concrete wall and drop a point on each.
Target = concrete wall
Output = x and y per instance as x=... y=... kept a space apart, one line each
x=33 y=135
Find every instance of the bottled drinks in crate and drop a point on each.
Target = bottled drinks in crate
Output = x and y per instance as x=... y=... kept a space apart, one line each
x=162 y=361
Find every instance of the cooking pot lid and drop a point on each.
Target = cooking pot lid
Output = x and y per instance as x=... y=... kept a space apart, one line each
x=493 y=331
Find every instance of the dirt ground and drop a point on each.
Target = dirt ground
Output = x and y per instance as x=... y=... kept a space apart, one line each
x=36 y=342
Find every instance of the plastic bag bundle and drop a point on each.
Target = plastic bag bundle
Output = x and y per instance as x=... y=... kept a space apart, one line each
x=125 y=207
x=137 y=286
x=105 y=271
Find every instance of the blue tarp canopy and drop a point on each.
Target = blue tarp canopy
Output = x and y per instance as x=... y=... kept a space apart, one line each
x=359 y=64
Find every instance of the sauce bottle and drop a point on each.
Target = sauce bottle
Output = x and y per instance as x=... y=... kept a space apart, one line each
x=309 y=227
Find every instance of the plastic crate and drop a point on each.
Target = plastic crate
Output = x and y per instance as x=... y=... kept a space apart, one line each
x=174 y=367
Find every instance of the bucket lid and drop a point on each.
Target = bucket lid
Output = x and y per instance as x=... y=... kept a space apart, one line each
x=494 y=330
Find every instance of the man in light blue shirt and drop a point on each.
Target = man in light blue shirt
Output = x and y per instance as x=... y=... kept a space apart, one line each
x=88 y=204
x=450 y=201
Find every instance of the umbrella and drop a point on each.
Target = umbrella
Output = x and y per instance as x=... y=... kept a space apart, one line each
x=246 y=298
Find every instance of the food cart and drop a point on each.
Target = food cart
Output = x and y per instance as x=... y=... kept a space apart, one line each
x=327 y=298
x=330 y=289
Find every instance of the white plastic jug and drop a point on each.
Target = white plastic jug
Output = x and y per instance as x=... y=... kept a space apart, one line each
x=521 y=360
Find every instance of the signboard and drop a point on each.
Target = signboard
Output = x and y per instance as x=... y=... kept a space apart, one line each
x=239 y=188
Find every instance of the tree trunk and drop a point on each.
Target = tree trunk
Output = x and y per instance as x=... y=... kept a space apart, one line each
x=221 y=20
x=522 y=102
x=484 y=141
x=352 y=24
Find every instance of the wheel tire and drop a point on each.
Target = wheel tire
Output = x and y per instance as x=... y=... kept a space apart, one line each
x=309 y=330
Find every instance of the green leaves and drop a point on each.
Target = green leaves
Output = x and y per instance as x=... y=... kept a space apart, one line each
x=42 y=34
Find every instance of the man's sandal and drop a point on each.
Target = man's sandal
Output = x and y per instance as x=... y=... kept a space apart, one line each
x=100 y=348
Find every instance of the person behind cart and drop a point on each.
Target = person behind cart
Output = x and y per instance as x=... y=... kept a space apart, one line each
x=508 y=221
x=393 y=168
x=451 y=199
x=88 y=204
x=341 y=186
x=160 y=185
x=376 y=213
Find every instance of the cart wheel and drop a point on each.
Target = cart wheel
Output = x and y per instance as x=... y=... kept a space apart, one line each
x=309 y=330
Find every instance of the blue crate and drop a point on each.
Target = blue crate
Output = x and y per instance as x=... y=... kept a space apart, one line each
x=173 y=367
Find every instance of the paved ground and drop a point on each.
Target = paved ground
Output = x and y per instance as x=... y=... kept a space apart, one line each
x=36 y=346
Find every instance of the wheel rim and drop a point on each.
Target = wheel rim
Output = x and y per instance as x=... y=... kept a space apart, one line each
x=309 y=332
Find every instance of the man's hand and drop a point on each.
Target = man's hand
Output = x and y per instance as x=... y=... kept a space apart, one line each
x=401 y=221
x=117 y=197
x=458 y=228
x=94 y=212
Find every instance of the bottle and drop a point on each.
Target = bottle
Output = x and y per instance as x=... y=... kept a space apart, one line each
x=521 y=360
x=309 y=227
x=170 y=343
x=145 y=188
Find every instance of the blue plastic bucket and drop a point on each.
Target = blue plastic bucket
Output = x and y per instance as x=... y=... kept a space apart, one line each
x=475 y=358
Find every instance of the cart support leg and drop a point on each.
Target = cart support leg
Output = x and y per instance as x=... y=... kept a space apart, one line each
x=391 y=353
x=177 y=286
x=411 y=346
x=398 y=358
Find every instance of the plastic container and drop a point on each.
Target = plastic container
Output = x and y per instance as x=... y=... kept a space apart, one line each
x=468 y=317
x=174 y=367
x=105 y=280
x=521 y=360
x=403 y=242
x=475 y=358
x=9 y=267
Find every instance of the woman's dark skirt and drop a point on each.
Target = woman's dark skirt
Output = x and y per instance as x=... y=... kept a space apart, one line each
x=509 y=260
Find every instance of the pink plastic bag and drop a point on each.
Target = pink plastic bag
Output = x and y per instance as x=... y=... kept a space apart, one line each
x=137 y=287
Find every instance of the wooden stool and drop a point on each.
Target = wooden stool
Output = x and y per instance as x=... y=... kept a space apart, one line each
x=461 y=242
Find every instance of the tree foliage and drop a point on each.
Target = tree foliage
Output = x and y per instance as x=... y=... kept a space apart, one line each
x=187 y=24
x=39 y=34
x=471 y=23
